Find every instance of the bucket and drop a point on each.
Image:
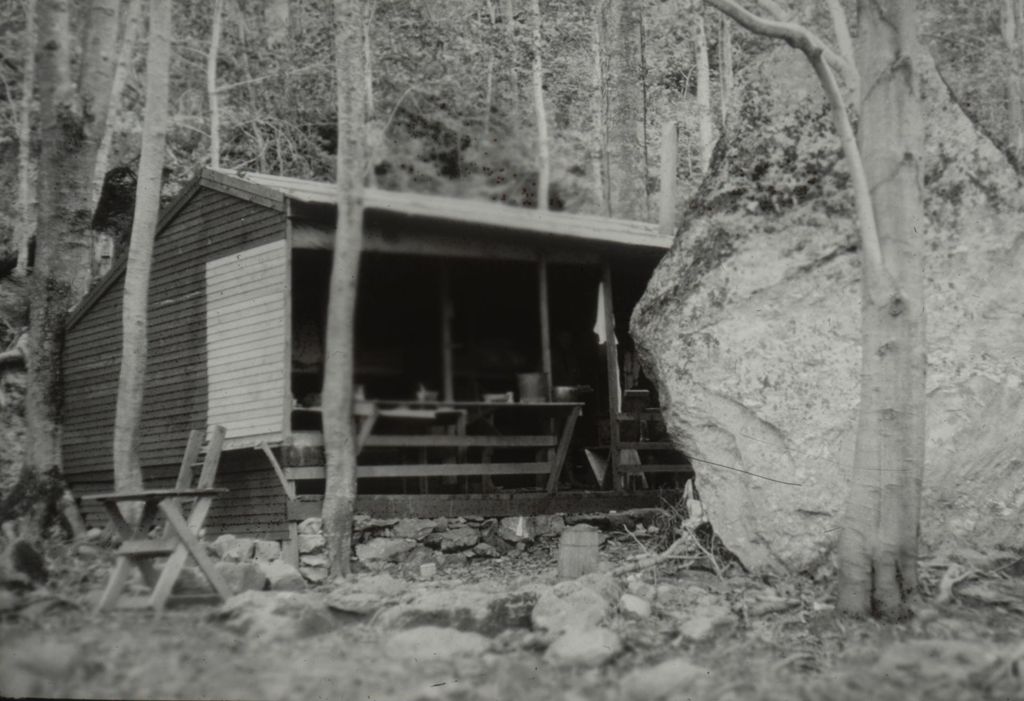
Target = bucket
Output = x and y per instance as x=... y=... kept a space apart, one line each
x=533 y=387
x=578 y=551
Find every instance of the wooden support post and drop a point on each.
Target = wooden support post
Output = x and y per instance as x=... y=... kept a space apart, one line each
x=612 y=364
x=447 y=358
x=669 y=159
x=545 y=322
x=545 y=341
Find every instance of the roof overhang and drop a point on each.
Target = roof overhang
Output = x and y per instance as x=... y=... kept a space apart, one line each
x=561 y=225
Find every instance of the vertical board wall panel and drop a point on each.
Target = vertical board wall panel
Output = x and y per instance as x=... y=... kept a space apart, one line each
x=212 y=225
x=246 y=299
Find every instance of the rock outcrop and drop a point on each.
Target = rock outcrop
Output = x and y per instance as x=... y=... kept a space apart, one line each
x=751 y=328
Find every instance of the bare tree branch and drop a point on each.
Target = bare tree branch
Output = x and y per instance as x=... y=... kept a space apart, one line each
x=800 y=38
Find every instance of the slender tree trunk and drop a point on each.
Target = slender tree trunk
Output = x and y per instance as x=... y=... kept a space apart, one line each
x=599 y=105
x=627 y=181
x=26 y=227
x=134 y=317
x=705 y=127
x=339 y=438
x=509 y=18
x=212 y=96
x=878 y=545
x=124 y=57
x=368 y=54
x=845 y=43
x=725 y=70
x=543 y=142
x=1013 y=35
x=72 y=119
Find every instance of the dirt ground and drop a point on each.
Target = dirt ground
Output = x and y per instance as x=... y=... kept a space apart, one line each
x=782 y=641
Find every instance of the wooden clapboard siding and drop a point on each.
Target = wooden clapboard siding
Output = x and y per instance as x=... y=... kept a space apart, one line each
x=246 y=301
x=211 y=222
x=256 y=504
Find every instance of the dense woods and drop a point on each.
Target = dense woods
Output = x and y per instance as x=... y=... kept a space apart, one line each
x=546 y=104
x=776 y=244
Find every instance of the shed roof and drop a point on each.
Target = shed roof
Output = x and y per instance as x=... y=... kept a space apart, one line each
x=482 y=213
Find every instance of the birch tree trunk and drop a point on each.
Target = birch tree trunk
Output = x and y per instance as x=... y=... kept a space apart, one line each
x=124 y=56
x=339 y=436
x=878 y=544
x=134 y=316
x=26 y=226
x=73 y=115
x=704 y=125
x=543 y=142
x=212 y=96
x=725 y=70
x=627 y=180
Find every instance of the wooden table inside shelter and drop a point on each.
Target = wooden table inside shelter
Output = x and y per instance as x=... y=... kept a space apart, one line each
x=471 y=426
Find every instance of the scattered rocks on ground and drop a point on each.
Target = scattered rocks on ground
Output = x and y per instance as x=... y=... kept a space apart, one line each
x=232 y=548
x=583 y=647
x=282 y=576
x=313 y=560
x=242 y=576
x=575 y=604
x=310 y=543
x=675 y=676
x=707 y=621
x=314 y=575
x=464 y=608
x=388 y=549
x=415 y=528
x=634 y=606
x=312 y=525
x=362 y=522
x=266 y=550
x=486 y=550
x=263 y=615
x=516 y=529
x=430 y=643
x=459 y=539
x=365 y=595
x=359 y=603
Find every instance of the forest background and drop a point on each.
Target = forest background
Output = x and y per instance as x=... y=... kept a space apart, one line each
x=449 y=97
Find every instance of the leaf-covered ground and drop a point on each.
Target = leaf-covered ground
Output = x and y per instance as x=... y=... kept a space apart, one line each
x=778 y=639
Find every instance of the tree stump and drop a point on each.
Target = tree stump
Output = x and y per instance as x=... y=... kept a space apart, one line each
x=577 y=551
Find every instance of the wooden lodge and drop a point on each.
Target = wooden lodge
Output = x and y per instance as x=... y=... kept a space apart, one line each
x=489 y=380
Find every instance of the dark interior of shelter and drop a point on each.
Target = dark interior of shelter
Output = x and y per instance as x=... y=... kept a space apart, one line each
x=433 y=331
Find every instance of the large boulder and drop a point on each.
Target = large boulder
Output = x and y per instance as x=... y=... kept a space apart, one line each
x=751 y=328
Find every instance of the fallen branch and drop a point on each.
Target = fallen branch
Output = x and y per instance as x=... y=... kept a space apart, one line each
x=652 y=560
